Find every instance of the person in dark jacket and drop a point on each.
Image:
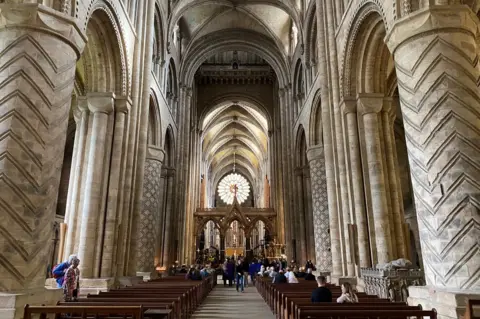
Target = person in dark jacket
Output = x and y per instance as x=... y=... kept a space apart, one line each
x=309 y=275
x=322 y=293
x=239 y=270
x=280 y=278
x=310 y=265
x=230 y=272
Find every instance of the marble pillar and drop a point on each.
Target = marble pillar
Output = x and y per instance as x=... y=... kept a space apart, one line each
x=436 y=53
x=100 y=106
x=147 y=231
x=371 y=106
x=321 y=219
x=38 y=51
x=349 y=109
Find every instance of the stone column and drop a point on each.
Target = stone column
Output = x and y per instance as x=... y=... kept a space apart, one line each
x=349 y=109
x=38 y=51
x=321 y=219
x=307 y=196
x=167 y=239
x=100 y=105
x=435 y=51
x=122 y=107
x=300 y=213
x=328 y=139
x=76 y=176
x=371 y=106
x=147 y=231
x=398 y=218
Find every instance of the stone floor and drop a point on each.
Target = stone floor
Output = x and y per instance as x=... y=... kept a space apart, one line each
x=226 y=302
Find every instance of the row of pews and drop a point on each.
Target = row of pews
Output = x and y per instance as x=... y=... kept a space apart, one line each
x=165 y=298
x=292 y=301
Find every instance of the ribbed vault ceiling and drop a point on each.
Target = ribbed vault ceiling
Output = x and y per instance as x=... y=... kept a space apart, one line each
x=235 y=131
x=273 y=18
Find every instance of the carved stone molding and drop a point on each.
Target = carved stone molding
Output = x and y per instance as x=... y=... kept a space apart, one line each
x=370 y=102
x=155 y=153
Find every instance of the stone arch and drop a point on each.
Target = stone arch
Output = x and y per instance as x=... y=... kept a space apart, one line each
x=299 y=84
x=171 y=83
x=311 y=50
x=316 y=127
x=301 y=147
x=233 y=40
x=154 y=136
x=158 y=29
x=169 y=147
x=103 y=60
x=368 y=21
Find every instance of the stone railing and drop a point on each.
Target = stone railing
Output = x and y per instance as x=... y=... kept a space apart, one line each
x=391 y=283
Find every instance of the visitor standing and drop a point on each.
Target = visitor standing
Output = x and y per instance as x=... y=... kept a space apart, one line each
x=71 y=280
x=59 y=270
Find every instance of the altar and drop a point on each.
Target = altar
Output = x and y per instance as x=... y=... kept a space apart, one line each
x=234 y=251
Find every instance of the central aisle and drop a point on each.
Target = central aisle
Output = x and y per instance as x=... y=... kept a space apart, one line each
x=226 y=302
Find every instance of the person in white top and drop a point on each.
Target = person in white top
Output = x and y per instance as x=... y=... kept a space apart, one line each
x=291 y=277
x=348 y=295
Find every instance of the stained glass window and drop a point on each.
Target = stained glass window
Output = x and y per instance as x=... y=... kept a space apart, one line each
x=233 y=184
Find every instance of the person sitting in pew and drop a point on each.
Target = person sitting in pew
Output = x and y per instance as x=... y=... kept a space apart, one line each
x=280 y=278
x=292 y=279
x=309 y=276
x=348 y=295
x=322 y=293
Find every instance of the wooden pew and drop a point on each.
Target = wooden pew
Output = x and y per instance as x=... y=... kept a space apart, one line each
x=103 y=312
x=168 y=309
x=292 y=301
x=366 y=314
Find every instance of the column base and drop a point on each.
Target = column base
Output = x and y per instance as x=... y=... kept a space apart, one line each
x=147 y=275
x=94 y=285
x=450 y=304
x=12 y=305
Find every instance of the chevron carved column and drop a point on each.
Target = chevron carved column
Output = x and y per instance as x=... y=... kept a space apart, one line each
x=435 y=55
x=38 y=51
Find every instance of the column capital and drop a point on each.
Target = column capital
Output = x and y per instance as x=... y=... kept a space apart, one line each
x=306 y=171
x=123 y=104
x=435 y=19
x=45 y=20
x=100 y=102
x=370 y=102
x=348 y=105
x=155 y=153
x=315 y=152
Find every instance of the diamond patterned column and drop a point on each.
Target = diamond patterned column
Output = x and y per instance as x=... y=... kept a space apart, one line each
x=321 y=218
x=147 y=231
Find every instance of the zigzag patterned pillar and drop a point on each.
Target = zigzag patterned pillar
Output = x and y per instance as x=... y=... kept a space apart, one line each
x=38 y=52
x=435 y=54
